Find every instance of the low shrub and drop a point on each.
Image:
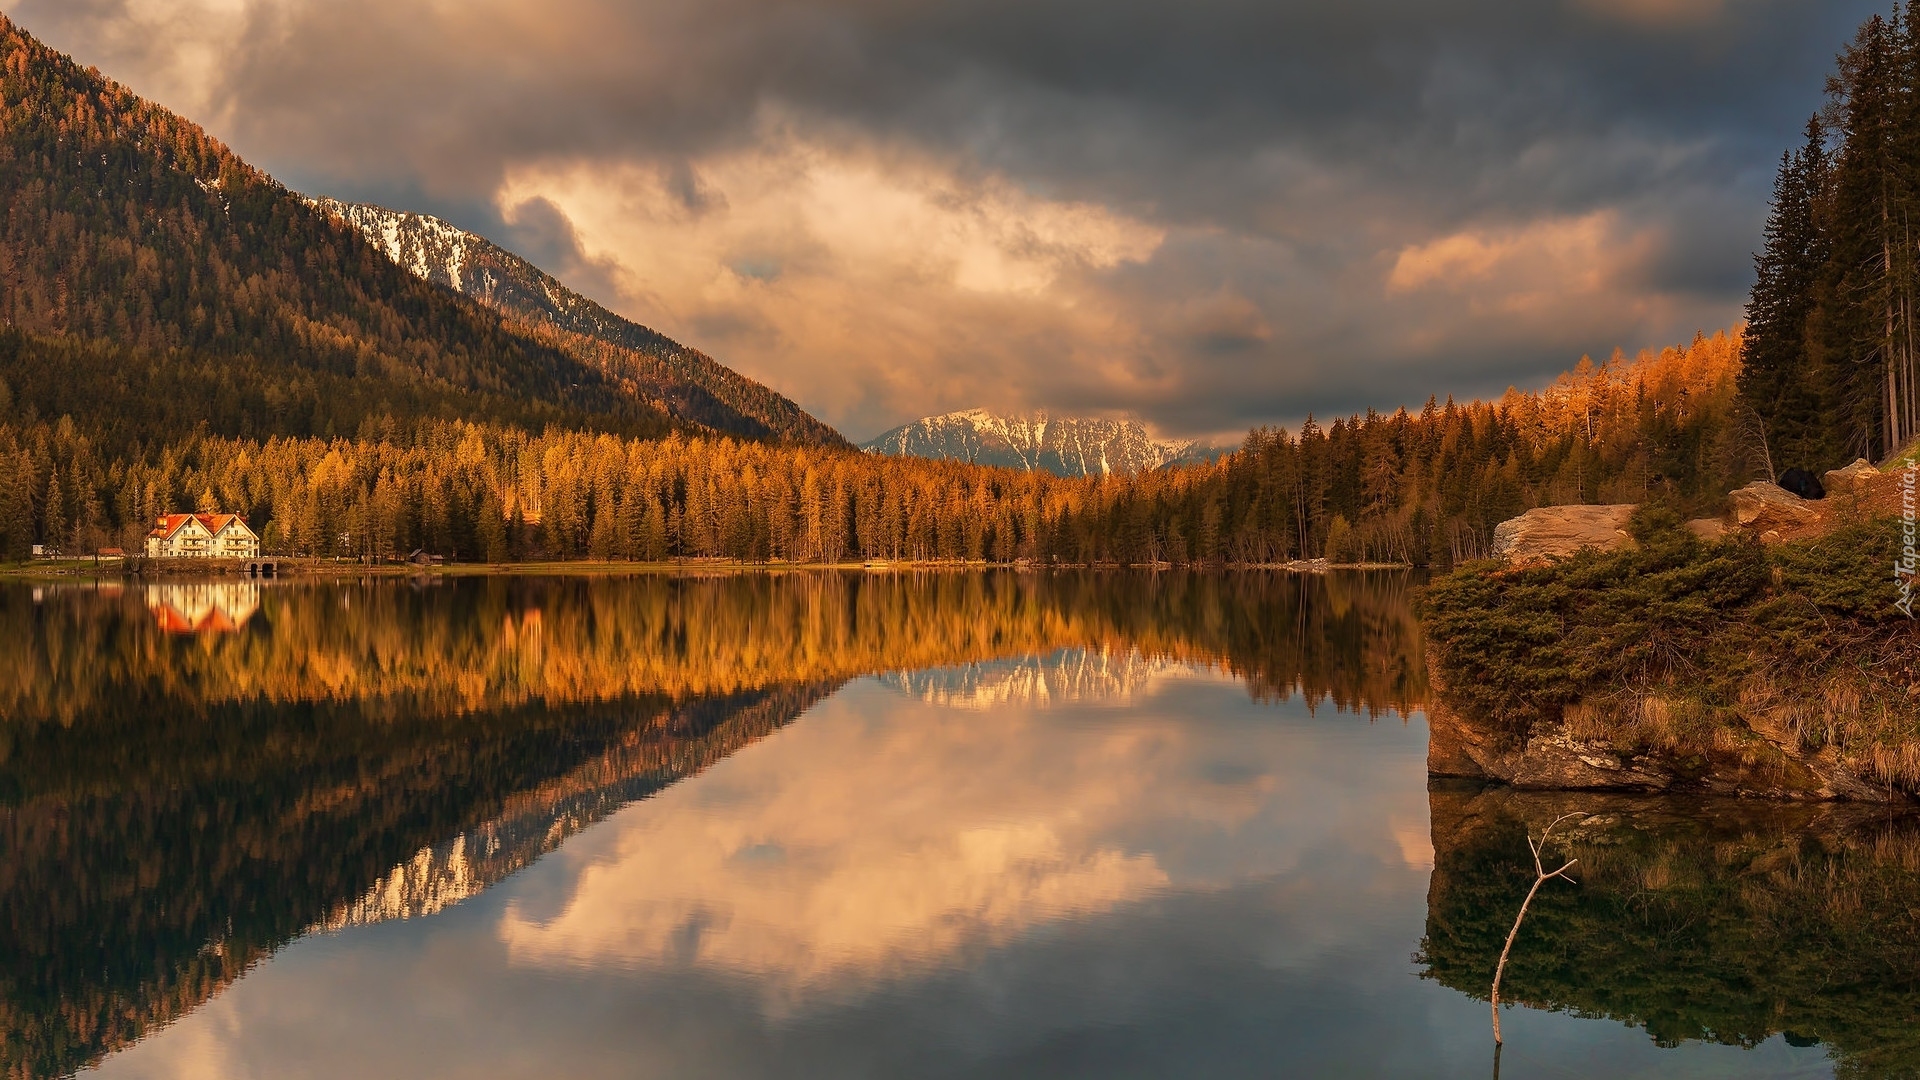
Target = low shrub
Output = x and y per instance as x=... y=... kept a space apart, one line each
x=1692 y=646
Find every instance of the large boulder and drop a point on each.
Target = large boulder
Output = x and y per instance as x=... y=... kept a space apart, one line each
x=1852 y=480
x=1771 y=510
x=1554 y=532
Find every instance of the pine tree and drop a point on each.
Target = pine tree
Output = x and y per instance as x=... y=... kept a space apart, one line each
x=1776 y=377
x=1831 y=359
x=15 y=511
x=53 y=514
x=1854 y=322
x=490 y=527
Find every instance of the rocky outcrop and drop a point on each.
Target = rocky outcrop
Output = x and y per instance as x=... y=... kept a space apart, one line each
x=1761 y=509
x=1772 y=511
x=1734 y=722
x=1545 y=755
x=1548 y=758
x=1554 y=532
x=1854 y=480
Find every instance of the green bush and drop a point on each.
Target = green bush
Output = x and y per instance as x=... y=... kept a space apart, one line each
x=1687 y=618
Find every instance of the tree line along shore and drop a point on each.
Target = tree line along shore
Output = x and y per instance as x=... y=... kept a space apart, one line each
x=1421 y=488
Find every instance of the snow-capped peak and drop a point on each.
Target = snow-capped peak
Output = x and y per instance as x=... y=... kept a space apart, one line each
x=1064 y=445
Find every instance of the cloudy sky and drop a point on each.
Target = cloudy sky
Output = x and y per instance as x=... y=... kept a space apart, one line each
x=1209 y=213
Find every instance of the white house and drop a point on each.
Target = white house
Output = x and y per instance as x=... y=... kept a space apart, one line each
x=202 y=536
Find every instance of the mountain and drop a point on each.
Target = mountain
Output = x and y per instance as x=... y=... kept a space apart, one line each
x=151 y=277
x=1062 y=445
x=686 y=382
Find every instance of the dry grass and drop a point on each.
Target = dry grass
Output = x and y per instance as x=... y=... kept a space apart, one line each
x=1870 y=722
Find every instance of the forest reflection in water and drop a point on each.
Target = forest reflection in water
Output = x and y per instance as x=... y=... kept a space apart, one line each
x=193 y=775
x=461 y=645
x=1714 y=921
x=1042 y=824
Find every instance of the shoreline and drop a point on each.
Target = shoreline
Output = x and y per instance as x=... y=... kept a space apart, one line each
x=288 y=569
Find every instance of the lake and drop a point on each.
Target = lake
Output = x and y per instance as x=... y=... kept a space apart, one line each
x=819 y=824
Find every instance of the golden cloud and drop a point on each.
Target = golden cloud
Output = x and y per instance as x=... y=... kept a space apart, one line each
x=1656 y=12
x=849 y=276
x=1573 y=254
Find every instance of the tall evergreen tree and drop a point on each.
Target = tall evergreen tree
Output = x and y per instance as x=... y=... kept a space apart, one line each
x=1776 y=377
x=53 y=523
x=1853 y=322
x=1832 y=348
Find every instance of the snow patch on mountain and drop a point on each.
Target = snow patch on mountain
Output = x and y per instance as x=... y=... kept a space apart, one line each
x=684 y=381
x=426 y=247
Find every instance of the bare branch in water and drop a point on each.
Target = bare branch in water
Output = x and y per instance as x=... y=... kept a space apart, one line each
x=1541 y=877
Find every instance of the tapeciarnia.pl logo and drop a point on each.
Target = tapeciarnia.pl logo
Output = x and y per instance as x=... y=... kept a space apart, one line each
x=1905 y=567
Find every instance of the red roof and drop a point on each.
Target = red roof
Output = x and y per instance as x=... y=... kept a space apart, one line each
x=170 y=524
x=213 y=523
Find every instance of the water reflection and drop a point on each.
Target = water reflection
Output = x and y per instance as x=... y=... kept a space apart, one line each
x=209 y=608
x=1195 y=884
x=1719 y=922
x=482 y=644
x=1030 y=825
x=863 y=853
x=1069 y=675
x=533 y=822
x=176 y=806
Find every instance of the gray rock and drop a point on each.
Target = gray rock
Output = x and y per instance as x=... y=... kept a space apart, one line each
x=1769 y=508
x=1853 y=479
x=1554 y=532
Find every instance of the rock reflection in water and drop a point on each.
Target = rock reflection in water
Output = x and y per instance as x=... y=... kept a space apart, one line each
x=1719 y=921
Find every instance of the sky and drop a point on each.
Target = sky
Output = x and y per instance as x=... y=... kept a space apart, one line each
x=1210 y=214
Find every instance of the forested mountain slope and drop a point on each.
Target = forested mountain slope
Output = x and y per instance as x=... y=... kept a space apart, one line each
x=128 y=224
x=684 y=381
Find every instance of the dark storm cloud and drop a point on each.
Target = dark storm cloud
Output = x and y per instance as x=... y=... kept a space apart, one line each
x=1293 y=154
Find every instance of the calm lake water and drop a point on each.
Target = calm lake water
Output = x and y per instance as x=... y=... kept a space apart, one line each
x=817 y=825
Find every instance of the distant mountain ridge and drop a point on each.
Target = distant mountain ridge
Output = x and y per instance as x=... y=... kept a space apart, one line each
x=1062 y=445
x=685 y=382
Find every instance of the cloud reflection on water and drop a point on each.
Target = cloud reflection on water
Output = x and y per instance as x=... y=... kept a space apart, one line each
x=825 y=902
x=882 y=839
